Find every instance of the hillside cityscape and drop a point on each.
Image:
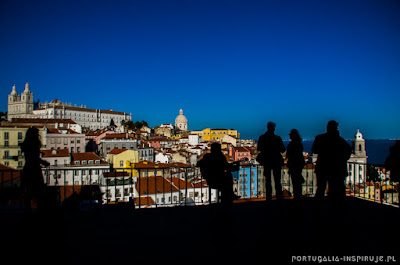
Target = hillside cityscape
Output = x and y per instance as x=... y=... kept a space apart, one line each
x=107 y=149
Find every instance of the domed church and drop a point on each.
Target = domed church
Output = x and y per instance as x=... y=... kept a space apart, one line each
x=181 y=122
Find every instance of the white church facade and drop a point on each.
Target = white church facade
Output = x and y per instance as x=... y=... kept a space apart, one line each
x=22 y=106
x=357 y=164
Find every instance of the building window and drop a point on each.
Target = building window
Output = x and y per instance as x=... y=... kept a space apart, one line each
x=6 y=153
x=6 y=135
x=5 y=143
x=19 y=135
x=121 y=163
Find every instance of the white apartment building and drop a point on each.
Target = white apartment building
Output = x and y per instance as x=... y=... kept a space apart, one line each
x=75 y=169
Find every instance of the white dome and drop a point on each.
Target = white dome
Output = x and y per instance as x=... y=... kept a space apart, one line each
x=180 y=118
x=181 y=121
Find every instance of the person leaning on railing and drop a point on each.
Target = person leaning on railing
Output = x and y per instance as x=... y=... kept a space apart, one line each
x=217 y=172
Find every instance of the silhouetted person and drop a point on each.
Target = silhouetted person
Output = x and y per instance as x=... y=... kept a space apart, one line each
x=331 y=166
x=32 y=172
x=217 y=172
x=295 y=162
x=271 y=148
x=392 y=162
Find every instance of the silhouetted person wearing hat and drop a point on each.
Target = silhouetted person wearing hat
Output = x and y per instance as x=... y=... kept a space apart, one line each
x=271 y=148
x=32 y=172
x=295 y=162
x=331 y=167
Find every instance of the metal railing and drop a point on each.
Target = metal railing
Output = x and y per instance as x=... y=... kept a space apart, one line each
x=178 y=186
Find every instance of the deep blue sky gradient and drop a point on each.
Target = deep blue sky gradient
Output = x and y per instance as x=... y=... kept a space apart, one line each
x=232 y=64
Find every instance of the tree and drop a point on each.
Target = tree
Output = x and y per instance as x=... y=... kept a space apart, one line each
x=372 y=174
x=144 y=123
x=3 y=116
x=112 y=123
x=129 y=124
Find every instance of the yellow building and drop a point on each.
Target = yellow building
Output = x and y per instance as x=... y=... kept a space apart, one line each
x=217 y=134
x=123 y=160
x=10 y=138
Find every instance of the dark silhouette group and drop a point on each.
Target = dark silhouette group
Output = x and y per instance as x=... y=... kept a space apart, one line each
x=331 y=166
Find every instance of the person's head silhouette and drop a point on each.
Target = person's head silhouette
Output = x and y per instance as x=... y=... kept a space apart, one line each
x=32 y=140
x=294 y=135
x=332 y=127
x=271 y=126
x=215 y=148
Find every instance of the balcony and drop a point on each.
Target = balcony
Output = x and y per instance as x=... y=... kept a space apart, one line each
x=251 y=231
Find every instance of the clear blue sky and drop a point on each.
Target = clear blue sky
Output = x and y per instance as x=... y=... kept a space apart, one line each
x=232 y=64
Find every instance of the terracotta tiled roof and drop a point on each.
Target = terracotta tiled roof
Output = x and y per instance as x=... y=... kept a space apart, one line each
x=85 y=109
x=42 y=121
x=201 y=184
x=52 y=130
x=8 y=173
x=241 y=149
x=119 y=136
x=147 y=164
x=115 y=174
x=179 y=183
x=86 y=156
x=154 y=185
x=179 y=165
x=117 y=151
x=55 y=153
x=144 y=201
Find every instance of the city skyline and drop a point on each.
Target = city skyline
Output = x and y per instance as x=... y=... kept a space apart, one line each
x=232 y=64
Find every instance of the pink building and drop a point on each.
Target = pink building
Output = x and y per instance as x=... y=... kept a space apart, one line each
x=65 y=139
x=239 y=153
